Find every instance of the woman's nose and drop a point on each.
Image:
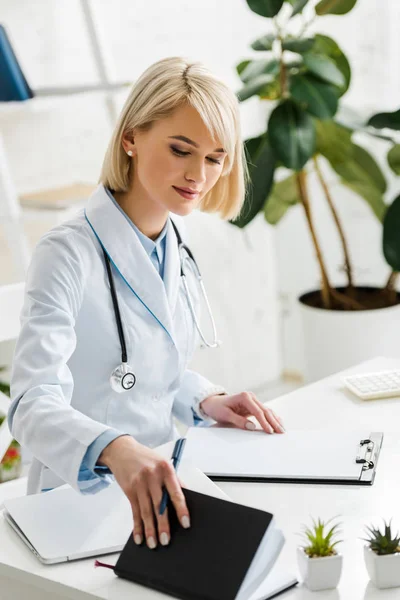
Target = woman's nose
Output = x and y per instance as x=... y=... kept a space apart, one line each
x=196 y=173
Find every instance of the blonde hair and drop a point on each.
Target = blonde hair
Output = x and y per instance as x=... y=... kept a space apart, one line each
x=161 y=89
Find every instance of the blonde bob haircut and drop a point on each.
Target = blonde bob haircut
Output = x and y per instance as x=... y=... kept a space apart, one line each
x=162 y=88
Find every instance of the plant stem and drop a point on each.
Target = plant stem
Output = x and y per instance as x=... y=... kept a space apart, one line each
x=348 y=267
x=301 y=180
x=390 y=287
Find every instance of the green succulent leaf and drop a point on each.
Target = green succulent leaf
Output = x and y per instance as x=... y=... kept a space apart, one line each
x=326 y=46
x=255 y=86
x=254 y=68
x=265 y=8
x=385 y=542
x=284 y=194
x=292 y=134
x=298 y=6
x=334 y=7
x=393 y=158
x=316 y=97
x=386 y=120
x=300 y=45
x=321 y=543
x=323 y=67
x=261 y=163
x=263 y=43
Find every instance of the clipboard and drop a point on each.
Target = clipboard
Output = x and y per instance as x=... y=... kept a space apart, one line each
x=308 y=457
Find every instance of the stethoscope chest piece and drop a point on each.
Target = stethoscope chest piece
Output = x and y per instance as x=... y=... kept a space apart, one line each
x=122 y=378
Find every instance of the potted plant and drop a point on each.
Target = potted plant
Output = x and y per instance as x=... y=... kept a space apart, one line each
x=11 y=464
x=304 y=78
x=382 y=556
x=319 y=564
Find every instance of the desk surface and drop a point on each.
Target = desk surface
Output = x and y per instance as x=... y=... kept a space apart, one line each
x=321 y=405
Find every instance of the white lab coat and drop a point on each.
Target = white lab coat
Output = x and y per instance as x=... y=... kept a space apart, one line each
x=69 y=345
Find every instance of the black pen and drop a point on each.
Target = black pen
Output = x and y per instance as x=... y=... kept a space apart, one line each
x=176 y=457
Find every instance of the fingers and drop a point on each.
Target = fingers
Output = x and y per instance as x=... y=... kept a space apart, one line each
x=137 y=521
x=147 y=516
x=177 y=497
x=148 y=523
x=156 y=492
x=265 y=416
x=272 y=418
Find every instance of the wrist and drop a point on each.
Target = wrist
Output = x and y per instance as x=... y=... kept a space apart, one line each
x=207 y=402
x=114 y=449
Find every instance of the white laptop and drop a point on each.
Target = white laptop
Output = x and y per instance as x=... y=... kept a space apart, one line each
x=63 y=525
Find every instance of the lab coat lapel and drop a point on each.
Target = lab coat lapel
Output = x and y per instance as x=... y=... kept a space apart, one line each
x=126 y=252
x=171 y=267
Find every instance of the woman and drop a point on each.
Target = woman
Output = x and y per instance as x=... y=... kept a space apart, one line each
x=179 y=130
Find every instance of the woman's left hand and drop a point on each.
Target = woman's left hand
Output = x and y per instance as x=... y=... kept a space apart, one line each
x=237 y=408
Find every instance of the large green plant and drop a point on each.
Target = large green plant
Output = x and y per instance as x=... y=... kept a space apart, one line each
x=306 y=76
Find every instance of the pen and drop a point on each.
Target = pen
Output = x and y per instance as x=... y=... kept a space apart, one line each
x=176 y=457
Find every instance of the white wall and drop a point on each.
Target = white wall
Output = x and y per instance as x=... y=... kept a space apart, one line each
x=53 y=142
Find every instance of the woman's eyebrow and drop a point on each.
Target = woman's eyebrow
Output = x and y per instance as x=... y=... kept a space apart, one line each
x=191 y=142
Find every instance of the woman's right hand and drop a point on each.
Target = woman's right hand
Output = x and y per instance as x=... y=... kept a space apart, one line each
x=142 y=474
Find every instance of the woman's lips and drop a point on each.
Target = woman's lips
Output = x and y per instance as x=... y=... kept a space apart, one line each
x=187 y=195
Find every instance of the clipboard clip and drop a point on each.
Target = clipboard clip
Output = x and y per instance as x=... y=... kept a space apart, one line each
x=365 y=453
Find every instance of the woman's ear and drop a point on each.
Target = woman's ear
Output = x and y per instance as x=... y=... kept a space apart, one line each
x=128 y=143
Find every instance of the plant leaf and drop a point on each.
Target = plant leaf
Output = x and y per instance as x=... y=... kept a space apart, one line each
x=371 y=195
x=254 y=68
x=262 y=163
x=327 y=47
x=334 y=141
x=284 y=194
x=386 y=120
x=360 y=173
x=316 y=97
x=298 y=6
x=265 y=8
x=255 y=86
x=299 y=45
x=292 y=134
x=241 y=67
x=362 y=168
x=393 y=158
x=263 y=43
x=323 y=67
x=334 y=7
x=391 y=237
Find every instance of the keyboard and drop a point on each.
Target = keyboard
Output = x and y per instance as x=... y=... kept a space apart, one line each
x=370 y=386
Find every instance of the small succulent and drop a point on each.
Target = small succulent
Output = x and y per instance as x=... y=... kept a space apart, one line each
x=320 y=543
x=385 y=542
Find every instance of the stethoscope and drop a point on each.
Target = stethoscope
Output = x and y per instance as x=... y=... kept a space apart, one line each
x=122 y=378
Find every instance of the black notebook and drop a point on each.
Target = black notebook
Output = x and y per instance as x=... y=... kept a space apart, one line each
x=225 y=555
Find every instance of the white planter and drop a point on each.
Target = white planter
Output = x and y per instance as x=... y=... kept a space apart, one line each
x=319 y=573
x=384 y=571
x=335 y=340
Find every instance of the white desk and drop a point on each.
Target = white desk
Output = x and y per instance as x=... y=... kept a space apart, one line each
x=322 y=405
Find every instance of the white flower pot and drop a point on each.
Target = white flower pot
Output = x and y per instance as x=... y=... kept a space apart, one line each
x=335 y=340
x=319 y=573
x=384 y=571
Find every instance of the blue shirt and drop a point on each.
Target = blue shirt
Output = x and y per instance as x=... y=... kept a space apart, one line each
x=156 y=252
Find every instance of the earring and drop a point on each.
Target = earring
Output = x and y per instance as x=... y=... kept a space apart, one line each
x=129 y=153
